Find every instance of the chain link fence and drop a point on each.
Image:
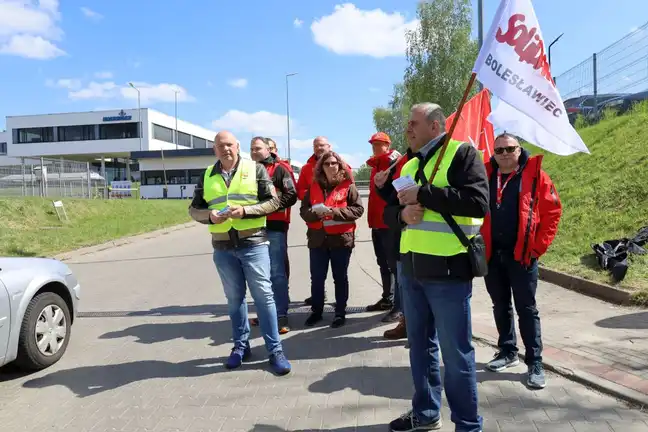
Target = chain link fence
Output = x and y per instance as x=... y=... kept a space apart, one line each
x=57 y=178
x=621 y=68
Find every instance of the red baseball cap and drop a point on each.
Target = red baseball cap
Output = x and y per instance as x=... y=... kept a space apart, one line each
x=380 y=137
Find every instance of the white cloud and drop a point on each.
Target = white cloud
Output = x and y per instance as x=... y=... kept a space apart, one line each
x=89 y=13
x=238 y=83
x=66 y=83
x=149 y=93
x=298 y=23
x=352 y=31
x=259 y=123
x=301 y=143
x=354 y=159
x=103 y=75
x=29 y=29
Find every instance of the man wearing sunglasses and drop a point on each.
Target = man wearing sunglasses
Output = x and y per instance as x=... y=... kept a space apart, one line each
x=523 y=220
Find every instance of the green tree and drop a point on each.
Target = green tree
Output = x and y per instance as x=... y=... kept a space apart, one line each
x=440 y=53
x=392 y=119
x=363 y=173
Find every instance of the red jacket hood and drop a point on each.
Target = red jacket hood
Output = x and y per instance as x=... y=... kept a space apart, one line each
x=389 y=157
x=312 y=159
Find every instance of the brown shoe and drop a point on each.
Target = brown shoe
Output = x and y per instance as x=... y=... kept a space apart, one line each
x=398 y=332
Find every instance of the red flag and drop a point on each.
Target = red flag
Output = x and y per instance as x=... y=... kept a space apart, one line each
x=473 y=125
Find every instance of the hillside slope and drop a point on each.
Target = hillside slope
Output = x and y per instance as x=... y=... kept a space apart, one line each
x=604 y=194
x=30 y=227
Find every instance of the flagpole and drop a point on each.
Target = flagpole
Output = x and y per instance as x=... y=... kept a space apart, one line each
x=454 y=124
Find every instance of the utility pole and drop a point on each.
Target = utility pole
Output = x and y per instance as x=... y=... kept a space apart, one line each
x=480 y=28
x=175 y=92
x=288 y=111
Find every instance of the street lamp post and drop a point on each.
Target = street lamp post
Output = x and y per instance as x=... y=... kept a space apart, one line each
x=549 y=49
x=139 y=115
x=176 y=117
x=288 y=111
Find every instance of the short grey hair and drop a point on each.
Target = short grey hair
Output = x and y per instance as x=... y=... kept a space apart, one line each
x=432 y=112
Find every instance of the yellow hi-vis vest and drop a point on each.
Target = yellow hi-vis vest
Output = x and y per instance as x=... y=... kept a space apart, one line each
x=243 y=190
x=433 y=236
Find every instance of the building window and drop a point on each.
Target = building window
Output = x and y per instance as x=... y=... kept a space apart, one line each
x=184 y=139
x=162 y=133
x=210 y=144
x=3 y=148
x=152 y=178
x=195 y=175
x=176 y=177
x=35 y=135
x=118 y=131
x=76 y=133
x=199 y=142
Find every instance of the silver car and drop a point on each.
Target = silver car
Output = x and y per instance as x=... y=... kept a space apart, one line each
x=38 y=303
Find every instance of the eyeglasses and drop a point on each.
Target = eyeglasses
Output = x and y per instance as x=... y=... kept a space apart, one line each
x=330 y=164
x=509 y=149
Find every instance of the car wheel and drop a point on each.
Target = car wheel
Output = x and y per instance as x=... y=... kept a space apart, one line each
x=45 y=332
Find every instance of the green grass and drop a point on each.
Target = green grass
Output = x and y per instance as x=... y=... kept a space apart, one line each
x=30 y=227
x=604 y=196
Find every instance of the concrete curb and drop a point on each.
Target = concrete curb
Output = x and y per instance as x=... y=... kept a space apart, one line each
x=121 y=241
x=604 y=386
x=586 y=287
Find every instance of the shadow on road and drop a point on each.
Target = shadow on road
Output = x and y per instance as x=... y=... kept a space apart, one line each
x=393 y=382
x=90 y=380
x=320 y=343
x=271 y=428
x=637 y=321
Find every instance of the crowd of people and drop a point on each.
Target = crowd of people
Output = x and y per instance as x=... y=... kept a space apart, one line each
x=457 y=217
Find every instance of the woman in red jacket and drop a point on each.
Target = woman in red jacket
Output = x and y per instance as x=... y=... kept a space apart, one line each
x=330 y=208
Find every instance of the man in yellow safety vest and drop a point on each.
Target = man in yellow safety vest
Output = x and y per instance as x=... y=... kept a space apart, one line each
x=233 y=198
x=435 y=270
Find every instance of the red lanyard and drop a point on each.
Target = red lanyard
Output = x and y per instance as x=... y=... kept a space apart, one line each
x=500 y=187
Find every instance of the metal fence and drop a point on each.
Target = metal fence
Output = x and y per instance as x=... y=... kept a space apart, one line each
x=620 y=68
x=57 y=178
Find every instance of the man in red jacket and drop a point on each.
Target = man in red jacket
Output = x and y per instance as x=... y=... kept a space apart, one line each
x=523 y=220
x=383 y=158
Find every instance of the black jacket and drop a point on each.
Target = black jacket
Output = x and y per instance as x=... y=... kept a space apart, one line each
x=467 y=195
x=268 y=203
x=287 y=192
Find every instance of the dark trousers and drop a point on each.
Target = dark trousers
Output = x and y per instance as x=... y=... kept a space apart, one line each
x=319 y=265
x=508 y=278
x=381 y=243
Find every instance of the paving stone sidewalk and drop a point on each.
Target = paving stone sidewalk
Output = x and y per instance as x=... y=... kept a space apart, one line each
x=147 y=353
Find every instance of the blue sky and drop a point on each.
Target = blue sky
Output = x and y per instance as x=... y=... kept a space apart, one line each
x=229 y=60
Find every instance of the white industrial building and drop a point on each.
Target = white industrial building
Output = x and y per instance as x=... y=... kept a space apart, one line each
x=103 y=138
x=111 y=142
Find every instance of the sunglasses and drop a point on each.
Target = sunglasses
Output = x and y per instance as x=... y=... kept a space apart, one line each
x=509 y=149
x=330 y=164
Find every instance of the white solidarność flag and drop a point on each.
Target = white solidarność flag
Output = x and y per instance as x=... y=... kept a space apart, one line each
x=513 y=65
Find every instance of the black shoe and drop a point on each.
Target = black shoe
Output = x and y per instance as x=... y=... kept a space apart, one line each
x=392 y=316
x=309 y=300
x=313 y=319
x=503 y=360
x=409 y=423
x=381 y=305
x=338 y=321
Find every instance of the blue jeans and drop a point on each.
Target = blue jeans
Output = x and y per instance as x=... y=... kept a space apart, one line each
x=278 y=276
x=508 y=278
x=438 y=315
x=250 y=265
x=319 y=265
